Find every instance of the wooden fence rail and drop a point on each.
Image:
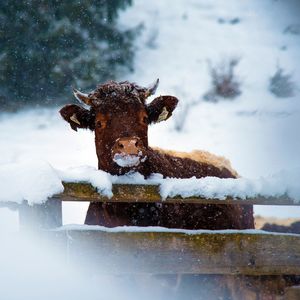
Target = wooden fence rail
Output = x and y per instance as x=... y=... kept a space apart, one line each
x=49 y=214
x=171 y=252
x=150 y=193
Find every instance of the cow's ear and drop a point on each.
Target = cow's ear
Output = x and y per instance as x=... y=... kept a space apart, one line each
x=78 y=117
x=161 y=108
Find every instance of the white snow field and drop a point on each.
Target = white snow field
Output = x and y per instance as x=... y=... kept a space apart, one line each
x=257 y=131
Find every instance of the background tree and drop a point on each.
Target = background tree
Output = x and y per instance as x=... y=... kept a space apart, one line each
x=47 y=46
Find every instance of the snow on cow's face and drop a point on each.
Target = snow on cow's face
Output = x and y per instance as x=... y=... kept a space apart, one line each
x=120 y=117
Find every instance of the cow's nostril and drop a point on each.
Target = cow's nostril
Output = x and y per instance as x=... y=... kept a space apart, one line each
x=136 y=143
x=121 y=145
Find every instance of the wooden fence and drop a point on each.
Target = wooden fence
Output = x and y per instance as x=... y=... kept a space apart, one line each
x=170 y=251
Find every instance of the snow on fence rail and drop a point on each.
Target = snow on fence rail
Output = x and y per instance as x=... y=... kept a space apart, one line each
x=37 y=181
x=48 y=214
x=81 y=191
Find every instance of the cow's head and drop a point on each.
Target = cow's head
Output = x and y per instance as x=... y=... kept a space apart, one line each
x=119 y=115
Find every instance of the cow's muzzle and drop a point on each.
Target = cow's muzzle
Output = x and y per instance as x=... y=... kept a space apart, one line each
x=128 y=152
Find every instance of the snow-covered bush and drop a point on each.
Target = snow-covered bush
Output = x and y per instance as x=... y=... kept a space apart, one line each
x=281 y=84
x=225 y=83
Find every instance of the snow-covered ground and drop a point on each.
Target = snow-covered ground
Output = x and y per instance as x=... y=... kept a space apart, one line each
x=258 y=132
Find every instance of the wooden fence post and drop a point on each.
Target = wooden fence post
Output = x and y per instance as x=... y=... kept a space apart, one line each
x=40 y=216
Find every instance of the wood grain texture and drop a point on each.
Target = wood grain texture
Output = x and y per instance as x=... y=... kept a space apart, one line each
x=180 y=253
x=82 y=191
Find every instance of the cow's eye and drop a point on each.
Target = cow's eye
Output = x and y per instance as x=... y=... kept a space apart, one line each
x=145 y=120
x=98 y=124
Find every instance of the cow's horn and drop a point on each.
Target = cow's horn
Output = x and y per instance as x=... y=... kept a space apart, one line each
x=152 y=88
x=82 y=97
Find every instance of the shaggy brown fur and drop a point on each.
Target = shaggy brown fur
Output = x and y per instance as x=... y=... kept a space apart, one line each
x=120 y=117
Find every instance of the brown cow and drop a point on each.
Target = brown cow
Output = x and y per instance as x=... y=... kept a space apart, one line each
x=120 y=117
